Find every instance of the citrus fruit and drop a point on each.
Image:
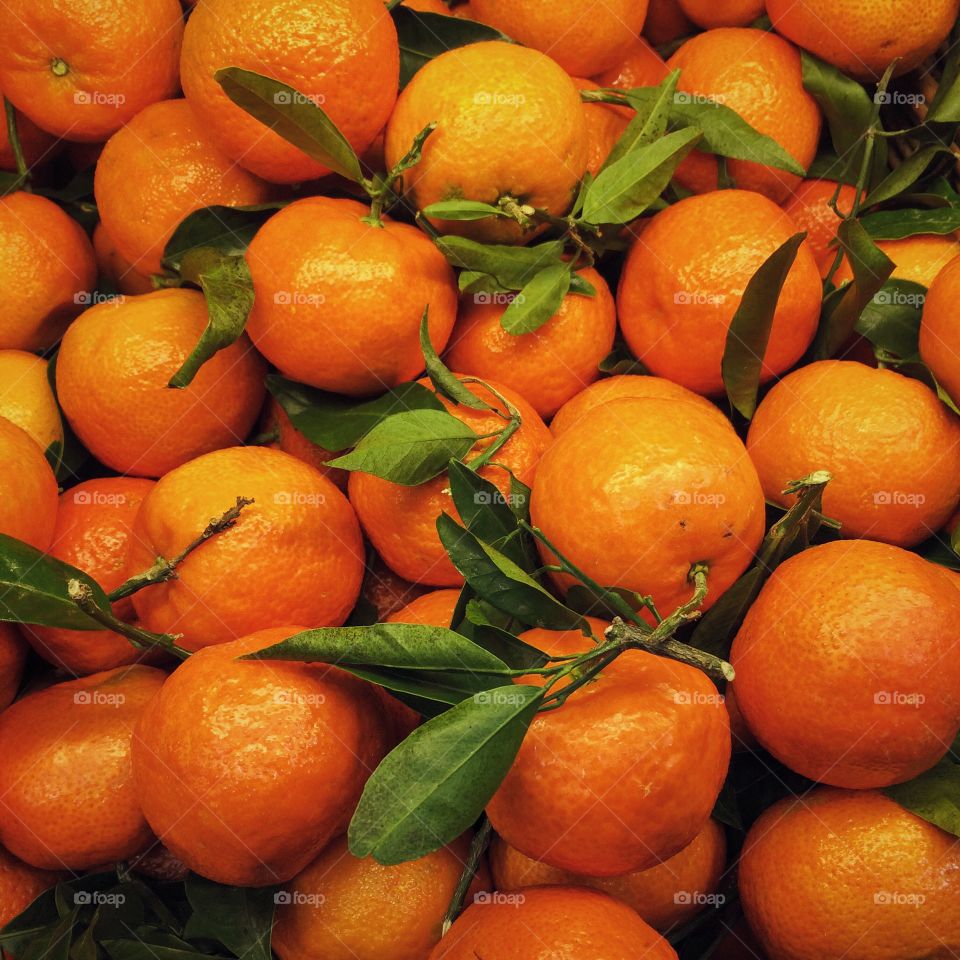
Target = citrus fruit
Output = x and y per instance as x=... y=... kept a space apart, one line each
x=509 y=123
x=13 y=654
x=247 y=769
x=894 y=889
x=20 y=885
x=113 y=370
x=545 y=922
x=605 y=123
x=114 y=270
x=46 y=271
x=341 y=55
x=290 y=440
x=427 y=6
x=732 y=13
x=384 y=591
x=401 y=521
x=339 y=300
x=295 y=553
x=685 y=275
x=758 y=75
x=26 y=397
x=604 y=499
x=435 y=609
x=28 y=488
x=92 y=533
x=666 y=21
x=38 y=146
x=918 y=259
x=809 y=207
x=66 y=784
x=891 y=447
x=664 y=895
x=549 y=365
x=641 y=66
x=938 y=338
x=157 y=169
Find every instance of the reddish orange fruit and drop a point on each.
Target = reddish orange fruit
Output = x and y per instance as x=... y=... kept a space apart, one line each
x=290 y=440
x=809 y=206
x=20 y=885
x=435 y=609
x=641 y=66
x=666 y=21
x=939 y=343
x=605 y=123
x=732 y=13
x=385 y=591
x=113 y=270
x=13 y=654
x=28 y=488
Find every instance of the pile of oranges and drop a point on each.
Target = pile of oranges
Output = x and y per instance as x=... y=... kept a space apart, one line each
x=479 y=479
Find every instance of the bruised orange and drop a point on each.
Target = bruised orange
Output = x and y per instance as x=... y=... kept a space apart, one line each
x=13 y=655
x=809 y=207
x=939 y=340
x=28 y=488
x=435 y=609
x=26 y=397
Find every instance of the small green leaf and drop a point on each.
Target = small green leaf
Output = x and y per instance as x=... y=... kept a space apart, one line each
x=446 y=383
x=512 y=267
x=934 y=796
x=462 y=210
x=513 y=651
x=945 y=107
x=621 y=361
x=648 y=124
x=726 y=810
x=891 y=320
x=905 y=175
x=538 y=301
x=897 y=224
x=228 y=230
x=238 y=918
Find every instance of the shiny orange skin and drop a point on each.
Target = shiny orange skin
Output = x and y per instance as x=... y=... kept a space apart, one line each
x=862 y=624
x=115 y=269
x=918 y=259
x=26 y=397
x=810 y=210
x=730 y=13
x=645 y=795
x=892 y=448
x=542 y=923
x=758 y=75
x=641 y=66
x=605 y=123
x=247 y=769
x=112 y=373
x=548 y=366
x=339 y=301
x=434 y=609
x=401 y=522
x=509 y=122
x=666 y=21
x=67 y=799
x=13 y=655
x=157 y=169
x=46 y=271
x=664 y=895
x=685 y=275
x=939 y=343
x=38 y=146
x=291 y=440
x=894 y=890
x=295 y=553
x=28 y=488
x=93 y=531
x=341 y=54
x=427 y=6
x=639 y=490
x=20 y=885
x=863 y=39
x=113 y=58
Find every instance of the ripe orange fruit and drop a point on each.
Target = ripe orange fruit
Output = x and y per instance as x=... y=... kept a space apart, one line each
x=810 y=210
x=892 y=448
x=758 y=75
x=290 y=440
x=28 y=488
x=509 y=122
x=114 y=269
x=738 y=13
x=401 y=522
x=861 y=624
x=157 y=169
x=66 y=785
x=435 y=609
x=46 y=270
x=427 y=6
x=685 y=274
x=939 y=344
x=605 y=123
x=20 y=885
x=112 y=373
x=93 y=531
x=38 y=146
x=584 y=38
x=641 y=66
x=919 y=258
x=339 y=301
x=246 y=769
x=604 y=499
x=664 y=895
x=549 y=365
x=26 y=397
x=342 y=55
x=295 y=552
x=544 y=922
x=13 y=654
x=82 y=71
x=894 y=887
x=666 y=21
x=863 y=39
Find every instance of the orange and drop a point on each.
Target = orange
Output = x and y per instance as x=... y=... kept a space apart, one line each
x=918 y=259
x=157 y=169
x=549 y=365
x=290 y=440
x=863 y=39
x=685 y=274
x=28 y=488
x=546 y=922
x=295 y=554
x=639 y=490
x=730 y=13
x=810 y=210
x=641 y=66
x=665 y=22
x=46 y=270
x=894 y=880
x=94 y=526
x=509 y=123
x=112 y=373
x=67 y=799
x=605 y=123
x=339 y=301
x=81 y=70
x=26 y=397
x=861 y=624
x=246 y=769
x=664 y=895
x=427 y=6
x=583 y=37
x=939 y=343
x=13 y=655
x=640 y=799
x=758 y=75
x=892 y=448
x=341 y=55
x=114 y=269
x=401 y=522
x=435 y=609
x=38 y=146
x=20 y=885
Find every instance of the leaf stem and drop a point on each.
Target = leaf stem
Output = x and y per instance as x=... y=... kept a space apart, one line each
x=478 y=846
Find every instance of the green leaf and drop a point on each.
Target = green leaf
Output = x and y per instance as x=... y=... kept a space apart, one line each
x=905 y=175
x=228 y=230
x=446 y=383
x=891 y=320
x=432 y=787
x=512 y=267
x=238 y=918
x=621 y=361
x=538 y=301
x=726 y=810
x=648 y=124
x=896 y=224
x=462 y=210
x=410 y=448
x=945 y=107
x=749 y=331
x=293 y=116
x=139 y=950
x=514 y=652
x=934 y=796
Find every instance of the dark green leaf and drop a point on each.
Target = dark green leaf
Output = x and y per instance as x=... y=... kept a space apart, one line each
x=620 y=361
x=445 y=382
x=945 y=107
x=726 y=810
x=606 y=603
x=238 y=918
x=934 y=796
x=138 y=950
x=538 y=301
x=891 y=320
x=228 y=230
x=896 y=224
x=648 y=124
x=512 y=267
x=516 y=653
x=462 y=210
x=715 y=631
x=905 y=175
x=53 y=942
